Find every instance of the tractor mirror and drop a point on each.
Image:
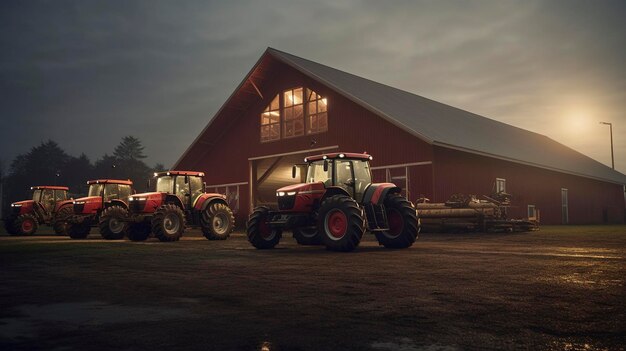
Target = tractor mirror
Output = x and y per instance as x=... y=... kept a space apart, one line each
x=325 y=165
x=293 y=171
x=204 y=187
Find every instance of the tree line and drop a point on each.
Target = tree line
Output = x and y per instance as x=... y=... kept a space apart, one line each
x=49 y=164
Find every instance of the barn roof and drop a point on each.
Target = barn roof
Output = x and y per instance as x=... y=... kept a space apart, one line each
x=436 y=123
x=448 y=126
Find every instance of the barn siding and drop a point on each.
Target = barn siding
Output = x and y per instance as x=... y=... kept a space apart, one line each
x=461 y=172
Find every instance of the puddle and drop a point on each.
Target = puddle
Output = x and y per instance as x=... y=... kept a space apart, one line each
x=79 y=314
x=406 y=344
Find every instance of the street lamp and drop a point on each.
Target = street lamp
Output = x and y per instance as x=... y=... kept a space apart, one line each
x=611 y=131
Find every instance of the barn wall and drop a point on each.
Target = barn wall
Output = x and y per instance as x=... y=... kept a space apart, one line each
x=590 y=201
x=351 y=127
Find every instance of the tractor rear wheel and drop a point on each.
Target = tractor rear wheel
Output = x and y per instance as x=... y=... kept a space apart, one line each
x=8 y=226
x=168 y=223
x=78 y=230
x=402 y=221
x=260 y=234
x=340 y=223
x=139 y=231
x=112 y=224
x=307 y=236
x=59 y=222
x=25 y=224
x=217 y=221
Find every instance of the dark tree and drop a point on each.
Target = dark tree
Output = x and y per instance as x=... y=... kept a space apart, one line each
x=129 y=149
x=159 y=167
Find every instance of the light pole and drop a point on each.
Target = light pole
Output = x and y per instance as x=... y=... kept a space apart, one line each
x=611 y=131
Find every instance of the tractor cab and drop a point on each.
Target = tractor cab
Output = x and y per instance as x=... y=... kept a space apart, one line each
x=48 y=196
x=348 y=171
x=187 y=186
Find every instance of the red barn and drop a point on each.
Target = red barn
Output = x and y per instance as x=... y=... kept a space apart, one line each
x=288 y=107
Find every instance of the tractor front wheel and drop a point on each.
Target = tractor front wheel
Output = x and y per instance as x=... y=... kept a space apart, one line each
x=168 y=223
x=59 y=223
x=340 y=223
x=217 y=222
x=78 y=230
x=307 y=236
x=260 y=234
x=25 y=224
x=113 y=224
x=139 y=231
x=402 y=221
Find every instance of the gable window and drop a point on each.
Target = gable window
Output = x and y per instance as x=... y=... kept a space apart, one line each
x=270 y=121
x=293 y=113
x=317 y=118
x=500 y=185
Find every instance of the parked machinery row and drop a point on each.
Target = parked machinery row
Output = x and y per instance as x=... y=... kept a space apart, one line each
x=113 y=206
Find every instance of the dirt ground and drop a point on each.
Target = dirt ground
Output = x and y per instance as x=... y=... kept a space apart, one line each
x=561 y=288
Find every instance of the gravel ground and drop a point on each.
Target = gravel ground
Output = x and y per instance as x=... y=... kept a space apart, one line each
x=561 y=288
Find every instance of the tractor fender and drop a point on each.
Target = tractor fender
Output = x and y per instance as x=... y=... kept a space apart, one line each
x=59 y=204
x=332 y=191
x=204 y=202
x=116 y=202
x=173 y=199
x=376 y=193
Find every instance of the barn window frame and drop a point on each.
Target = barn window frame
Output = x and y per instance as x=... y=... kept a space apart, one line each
x=292 y=113
x=500 y=185
x=532 y=211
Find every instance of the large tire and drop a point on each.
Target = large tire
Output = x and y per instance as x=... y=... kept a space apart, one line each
x=139 y=231
x=113 y=223
x=403 y=223
x=260 y=235
x=78 y=230
x=8 y=226
x=59 y=222
x=340 y=223
x=307 y=236
x=25 y=224
x=168 y=223
x=217 y=221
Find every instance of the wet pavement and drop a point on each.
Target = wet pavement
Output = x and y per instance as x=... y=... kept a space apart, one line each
x=561 y=288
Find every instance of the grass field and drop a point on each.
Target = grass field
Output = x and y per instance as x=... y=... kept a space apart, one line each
x=561 y=288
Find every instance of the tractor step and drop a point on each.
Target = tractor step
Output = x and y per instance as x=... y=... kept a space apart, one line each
x=376 y=218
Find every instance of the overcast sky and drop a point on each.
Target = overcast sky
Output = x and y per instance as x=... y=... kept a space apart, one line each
x=86 y=73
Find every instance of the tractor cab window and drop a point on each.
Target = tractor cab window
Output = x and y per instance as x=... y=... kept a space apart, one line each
x=362 y=178
x=197 y=188
x=47 y=199
x=124 y=192
x=181 y=188
x=344 y=175
x=164 y=184
x=111 y=192
x=95 y=189
x=37 y=195
x=60 y=195
x=316 y=173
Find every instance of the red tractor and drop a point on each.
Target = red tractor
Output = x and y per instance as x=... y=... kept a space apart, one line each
x=49 y=205
x=335 y=206
x=106 y=202
x=179 y=200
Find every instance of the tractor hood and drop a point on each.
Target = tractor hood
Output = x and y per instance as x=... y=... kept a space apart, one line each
x=300 y=188
x=22 y=207
x=146 y=202
x=87 y=205
x=23 y=203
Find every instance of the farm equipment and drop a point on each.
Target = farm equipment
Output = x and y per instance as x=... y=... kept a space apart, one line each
x=468 y=213
x=49 y=205
x=335 y=206
x=104 y=204
x=179 y=200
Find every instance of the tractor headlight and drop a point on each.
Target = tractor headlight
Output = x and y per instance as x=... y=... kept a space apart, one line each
x=78 y=202
x=291 y=193
x=280 y=193
x=136 y=199
x=16 y=205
